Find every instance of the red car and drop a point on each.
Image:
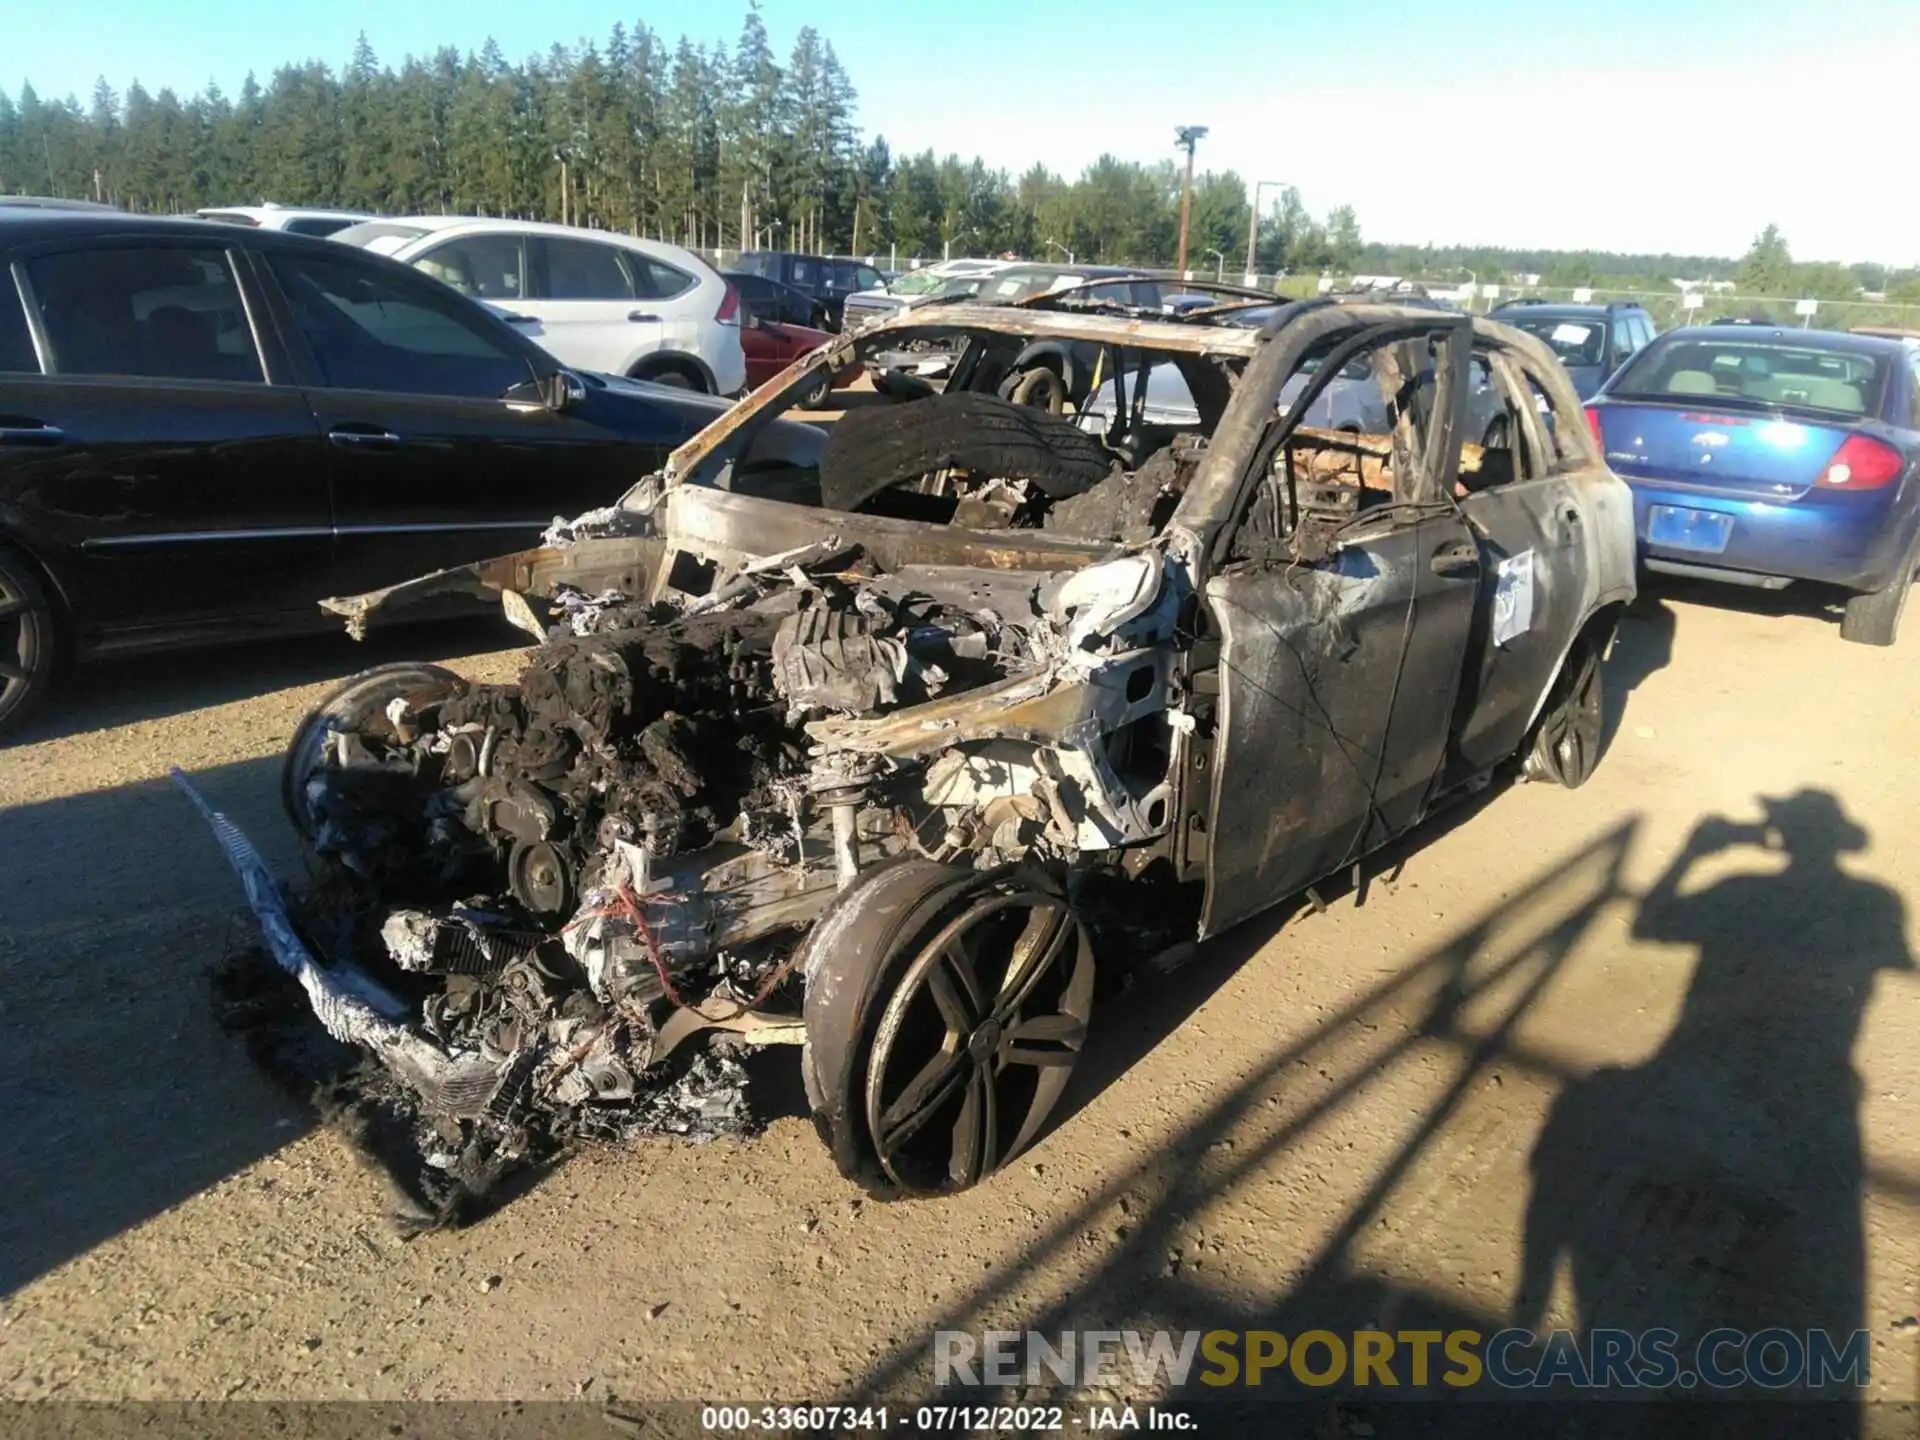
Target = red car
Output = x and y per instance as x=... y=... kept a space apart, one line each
x=772 y=345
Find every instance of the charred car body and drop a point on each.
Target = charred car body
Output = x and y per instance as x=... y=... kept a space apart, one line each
x=889 y=755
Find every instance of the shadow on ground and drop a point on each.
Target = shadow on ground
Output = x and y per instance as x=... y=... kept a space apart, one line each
x=119 y=1095
x=1717 y=1183
x=108 y=693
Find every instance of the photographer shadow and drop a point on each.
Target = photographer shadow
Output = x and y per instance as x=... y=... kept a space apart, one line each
x=1719 y=1183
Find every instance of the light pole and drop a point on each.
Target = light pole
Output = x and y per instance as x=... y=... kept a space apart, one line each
x=946 y=251
x=1253 y=227
x=1219 y=266
x=1056 y=245
x=771 y=228
x=1186 y=137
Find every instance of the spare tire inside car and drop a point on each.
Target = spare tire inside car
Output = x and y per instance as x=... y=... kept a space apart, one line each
x=871 y=450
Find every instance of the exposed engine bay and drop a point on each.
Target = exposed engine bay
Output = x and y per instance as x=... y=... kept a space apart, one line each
x=567 y=907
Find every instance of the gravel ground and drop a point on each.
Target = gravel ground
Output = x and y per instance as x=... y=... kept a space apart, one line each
x=1330 y=1122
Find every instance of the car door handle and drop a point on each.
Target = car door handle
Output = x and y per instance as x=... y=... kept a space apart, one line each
x=1457 y=560
x=363 y=437
x=643 y=317
x=32 y=433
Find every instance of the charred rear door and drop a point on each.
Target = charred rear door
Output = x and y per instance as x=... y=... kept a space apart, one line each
x=1342 y=637
x=1541 y=509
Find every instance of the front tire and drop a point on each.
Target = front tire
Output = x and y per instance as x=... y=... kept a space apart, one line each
x=29 y=639
x=1565 y=746
x=352 y=705
x=945 y=1012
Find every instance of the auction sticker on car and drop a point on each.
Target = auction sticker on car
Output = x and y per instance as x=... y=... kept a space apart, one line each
x=1513 y=597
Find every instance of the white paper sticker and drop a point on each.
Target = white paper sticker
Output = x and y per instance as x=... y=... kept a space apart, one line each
x=1513 y=597
x=1571 y=334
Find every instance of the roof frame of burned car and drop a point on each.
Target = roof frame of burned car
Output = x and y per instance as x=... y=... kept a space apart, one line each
x=1248 y=430
x=703 y=459
x=1266 y=357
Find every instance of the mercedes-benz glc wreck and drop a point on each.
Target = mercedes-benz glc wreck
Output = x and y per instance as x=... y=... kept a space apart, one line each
x=902 y=740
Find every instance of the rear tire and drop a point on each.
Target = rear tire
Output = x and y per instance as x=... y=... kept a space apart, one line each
x=816 y=394
x=29 y=639
x=673 y=374
x=1874 y=618
x=1565 y=746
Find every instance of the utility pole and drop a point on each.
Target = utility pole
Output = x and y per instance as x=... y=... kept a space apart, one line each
x=1253 y=229
x=1186 y=137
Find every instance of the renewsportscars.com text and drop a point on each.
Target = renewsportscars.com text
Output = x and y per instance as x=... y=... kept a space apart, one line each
x=1382 y=1360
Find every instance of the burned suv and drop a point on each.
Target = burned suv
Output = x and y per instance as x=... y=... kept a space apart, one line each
x=905 y=751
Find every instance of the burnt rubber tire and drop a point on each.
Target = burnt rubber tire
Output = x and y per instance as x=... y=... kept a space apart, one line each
x=1874 y=618
x=900 y=387
x=1565 y=745
x=29 y=639
x=1037 y=388
x=875 y=998
x=872 y=450
x=351 y=705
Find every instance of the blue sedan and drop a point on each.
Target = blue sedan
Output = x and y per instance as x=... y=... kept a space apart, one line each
x=1763 y=456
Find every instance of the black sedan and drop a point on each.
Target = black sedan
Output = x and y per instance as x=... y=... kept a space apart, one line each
x=205 y=429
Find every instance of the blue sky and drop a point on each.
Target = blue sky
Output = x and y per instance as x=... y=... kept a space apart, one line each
x=1681 y=125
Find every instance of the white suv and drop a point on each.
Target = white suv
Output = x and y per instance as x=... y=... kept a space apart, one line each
x=593 y=299
x=291 y=218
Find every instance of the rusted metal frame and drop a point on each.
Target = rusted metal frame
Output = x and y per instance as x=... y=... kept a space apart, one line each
x=699 y=460
x=718 y=525
x=625 y=563
x=1511 y=383
x=1546 y=371
x=1242 y=442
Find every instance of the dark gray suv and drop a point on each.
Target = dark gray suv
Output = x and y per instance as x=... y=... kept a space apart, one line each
x=1592 y=341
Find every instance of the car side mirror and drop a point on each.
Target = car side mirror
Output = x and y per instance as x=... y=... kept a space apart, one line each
x=561 y=391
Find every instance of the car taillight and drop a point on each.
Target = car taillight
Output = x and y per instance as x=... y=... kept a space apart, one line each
x=729 y=313
x=1593 y=424
x=1862 y=463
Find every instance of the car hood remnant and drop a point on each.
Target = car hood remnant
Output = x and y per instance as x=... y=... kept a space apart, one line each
x=879 y=747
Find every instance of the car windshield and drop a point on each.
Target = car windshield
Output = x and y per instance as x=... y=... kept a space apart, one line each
x=1574 y=340
x=918 y=283
x=368 y=231
x=1757 y=371
x=1016 y=285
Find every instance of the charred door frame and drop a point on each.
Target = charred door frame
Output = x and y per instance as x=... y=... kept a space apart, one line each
x=1427 y=494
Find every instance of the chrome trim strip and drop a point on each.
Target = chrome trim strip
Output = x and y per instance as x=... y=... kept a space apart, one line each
x=253 y=321
x=123 y=542
x=36 y=327
x=299 y=532
x=423 y=529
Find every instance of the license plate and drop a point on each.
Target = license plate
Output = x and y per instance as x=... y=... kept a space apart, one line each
x=1678 y=528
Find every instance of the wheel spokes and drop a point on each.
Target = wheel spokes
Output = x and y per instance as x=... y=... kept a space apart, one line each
x=957 y=1002
x=1045 y=1041
x=922 y=1098
x=1046 y=932
x=981 y=1066
x=11 y=605
x=976 y=1133
x=12 y=669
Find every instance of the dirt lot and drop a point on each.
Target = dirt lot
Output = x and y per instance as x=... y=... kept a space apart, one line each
x=1330 y=1123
